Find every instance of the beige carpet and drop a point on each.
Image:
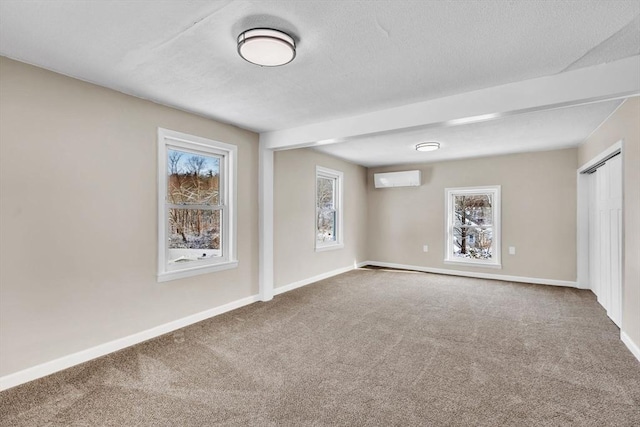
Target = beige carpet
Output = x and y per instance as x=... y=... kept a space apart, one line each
x=368 y=347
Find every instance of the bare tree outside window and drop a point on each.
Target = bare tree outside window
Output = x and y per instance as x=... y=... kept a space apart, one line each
x=472 y=232
x=193 y=192
x=473 y=225
x=328 y=209
x=197 y=231
x=325 y=209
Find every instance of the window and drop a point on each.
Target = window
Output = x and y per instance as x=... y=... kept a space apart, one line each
x=196 y=205
x=328 y=209
x=473 y=226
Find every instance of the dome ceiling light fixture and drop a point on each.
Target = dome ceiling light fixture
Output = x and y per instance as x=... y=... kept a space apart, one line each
x=266 y=47
x=428 y=146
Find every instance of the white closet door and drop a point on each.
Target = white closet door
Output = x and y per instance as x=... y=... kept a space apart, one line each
x=603 y=242
x=606 y=264
x=594 y=256
x=615 y=234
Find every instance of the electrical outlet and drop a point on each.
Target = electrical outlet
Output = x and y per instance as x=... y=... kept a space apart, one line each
x=425 y=248
x=512 y=250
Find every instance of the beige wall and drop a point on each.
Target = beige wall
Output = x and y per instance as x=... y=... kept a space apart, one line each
x=295 y=257
x=538 y=213
x=78 y=217
x=624 y=125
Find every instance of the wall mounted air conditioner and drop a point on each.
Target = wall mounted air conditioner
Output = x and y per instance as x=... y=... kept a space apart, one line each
x=397 y=179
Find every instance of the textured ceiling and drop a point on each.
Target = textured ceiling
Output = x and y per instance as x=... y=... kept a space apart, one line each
x=353 y=56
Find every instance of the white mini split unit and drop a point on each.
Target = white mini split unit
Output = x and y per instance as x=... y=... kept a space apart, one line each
x=397 y=179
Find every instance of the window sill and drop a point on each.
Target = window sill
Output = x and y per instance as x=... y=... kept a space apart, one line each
x=472 y=264
x=329 y=247
x=195 y=271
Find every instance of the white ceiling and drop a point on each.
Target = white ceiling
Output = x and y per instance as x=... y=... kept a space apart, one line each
x=536 y=131
x=354 y=57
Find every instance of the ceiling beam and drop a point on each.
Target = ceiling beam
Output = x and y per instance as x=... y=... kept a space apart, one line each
x=586 y=85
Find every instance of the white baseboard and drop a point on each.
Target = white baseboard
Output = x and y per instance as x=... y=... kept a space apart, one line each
x=65 y=362
x=633 y=347
x=56 y=365
x=308 y=281
x=474 y=274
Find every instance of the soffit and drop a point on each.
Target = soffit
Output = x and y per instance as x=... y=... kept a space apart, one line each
x=536 y=131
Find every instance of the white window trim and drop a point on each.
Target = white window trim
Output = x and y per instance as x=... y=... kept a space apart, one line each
x=168 y=138
x=495 y=190
x=322 y=172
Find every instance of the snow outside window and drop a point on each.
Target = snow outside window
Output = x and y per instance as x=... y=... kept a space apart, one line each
x=473 y=226
x=328 y=209
x=196 y=209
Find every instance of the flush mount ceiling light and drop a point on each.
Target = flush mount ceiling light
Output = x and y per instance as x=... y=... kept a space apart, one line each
x=266 y=47
x=428 y=146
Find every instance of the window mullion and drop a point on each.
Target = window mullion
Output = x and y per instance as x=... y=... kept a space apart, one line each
x=201 y=207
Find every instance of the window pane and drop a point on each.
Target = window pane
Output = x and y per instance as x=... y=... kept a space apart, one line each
x=325 y=193
x=195 y=229
x=473 y=210
x=472 y=242
x=192 y=178
x=326 y=225
x=325 y=208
